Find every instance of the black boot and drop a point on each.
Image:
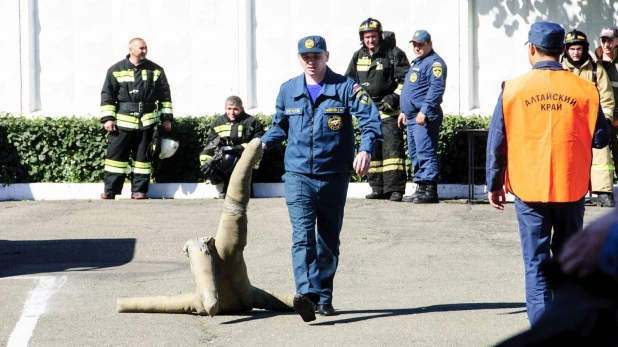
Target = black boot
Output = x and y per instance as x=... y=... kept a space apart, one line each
x=376 y=195
x=420 y=191
x=396 y=196
x=430 y=195
x=606 y=200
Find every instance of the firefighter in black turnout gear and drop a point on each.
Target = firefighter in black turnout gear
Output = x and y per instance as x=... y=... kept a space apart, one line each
x=135 y=98
x=380 y=68
x=228 y=136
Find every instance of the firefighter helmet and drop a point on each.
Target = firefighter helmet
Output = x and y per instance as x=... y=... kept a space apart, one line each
x=370 y=25
x=228 y=160
x=168 y=148
x=576 y=37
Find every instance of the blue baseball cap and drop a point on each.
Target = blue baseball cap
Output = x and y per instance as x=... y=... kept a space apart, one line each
x=312 y=44
x=546 y=35
x=421 y=36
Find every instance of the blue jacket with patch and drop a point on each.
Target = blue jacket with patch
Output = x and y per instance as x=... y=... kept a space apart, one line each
x=321 y=135
x=424 y=86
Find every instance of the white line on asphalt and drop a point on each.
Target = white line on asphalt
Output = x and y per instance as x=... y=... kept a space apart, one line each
x=20 y=278
x=33 y=308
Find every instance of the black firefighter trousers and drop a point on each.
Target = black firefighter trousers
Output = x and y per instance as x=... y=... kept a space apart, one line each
x=387 y=171
x=122 y=144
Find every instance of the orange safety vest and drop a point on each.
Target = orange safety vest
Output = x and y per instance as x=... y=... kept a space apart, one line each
x=549 y=119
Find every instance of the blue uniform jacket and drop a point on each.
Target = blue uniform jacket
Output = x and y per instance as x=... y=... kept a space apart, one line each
x=424 y=86
x=321 y=135
x=496 y=140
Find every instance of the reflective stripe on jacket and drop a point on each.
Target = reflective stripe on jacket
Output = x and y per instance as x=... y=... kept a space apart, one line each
x=381 y=73
x=227 y=132
x=128 y=84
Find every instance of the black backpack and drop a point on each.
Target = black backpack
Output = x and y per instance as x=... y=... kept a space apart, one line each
x=391 y=41
x=389 y=37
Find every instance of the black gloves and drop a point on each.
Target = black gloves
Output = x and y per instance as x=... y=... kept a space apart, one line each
x=390 y=103
x=210 y=171
x=154 y=147
x=207 y=169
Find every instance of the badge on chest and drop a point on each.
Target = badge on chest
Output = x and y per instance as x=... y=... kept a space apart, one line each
x=335 y=119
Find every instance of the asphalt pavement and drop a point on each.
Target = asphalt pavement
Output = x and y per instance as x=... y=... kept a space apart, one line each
x=409 y=275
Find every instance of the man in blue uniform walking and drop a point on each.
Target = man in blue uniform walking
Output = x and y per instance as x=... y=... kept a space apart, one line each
x=420 y=108
x=540 y=142
x=314 y=114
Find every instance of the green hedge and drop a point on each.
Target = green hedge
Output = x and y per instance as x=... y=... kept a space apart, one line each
x=72 y=149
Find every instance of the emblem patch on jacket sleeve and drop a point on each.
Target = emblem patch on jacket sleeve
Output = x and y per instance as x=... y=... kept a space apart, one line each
x=436 y=68
x=361 y=94
x=437 y=71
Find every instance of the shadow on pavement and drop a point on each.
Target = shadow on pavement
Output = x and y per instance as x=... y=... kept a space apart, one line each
x=257 y=314
x=42 y=256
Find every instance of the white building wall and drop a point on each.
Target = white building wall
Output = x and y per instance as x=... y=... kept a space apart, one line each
x=55 y=52
x=338 y=22
x=81 y=39
x=502 y=31
x=10 y=86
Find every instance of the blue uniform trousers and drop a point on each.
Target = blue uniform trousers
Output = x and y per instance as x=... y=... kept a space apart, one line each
x=423 y=148
x=312 y=199
x=536 y=221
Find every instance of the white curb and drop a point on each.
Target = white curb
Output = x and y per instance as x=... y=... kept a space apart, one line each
x=92 y=191
x=85 y=191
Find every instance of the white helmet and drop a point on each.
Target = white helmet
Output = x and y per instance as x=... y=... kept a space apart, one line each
x=168 y=148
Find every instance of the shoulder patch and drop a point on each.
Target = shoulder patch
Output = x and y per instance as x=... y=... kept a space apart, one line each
x=364 y=98
x=361 y=94
x=437 y=71
x=437 y=63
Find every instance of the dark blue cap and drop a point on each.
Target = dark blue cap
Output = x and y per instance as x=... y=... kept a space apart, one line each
x=312 y=44
x=546 y=35
x=421 y=36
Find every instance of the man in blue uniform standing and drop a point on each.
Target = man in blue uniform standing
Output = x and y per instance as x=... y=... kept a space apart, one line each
x=314 y=114
x=420 y=108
